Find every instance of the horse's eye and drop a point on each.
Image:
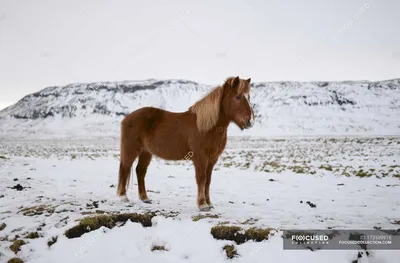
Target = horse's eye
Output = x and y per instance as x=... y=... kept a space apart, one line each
x=238 y=97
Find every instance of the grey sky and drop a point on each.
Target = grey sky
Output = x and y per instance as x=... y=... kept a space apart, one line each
x=47 y=42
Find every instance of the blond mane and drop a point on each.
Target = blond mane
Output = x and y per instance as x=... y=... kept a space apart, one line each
x=208 y=108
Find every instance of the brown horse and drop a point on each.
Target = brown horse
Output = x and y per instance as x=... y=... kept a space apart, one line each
x=199 y=133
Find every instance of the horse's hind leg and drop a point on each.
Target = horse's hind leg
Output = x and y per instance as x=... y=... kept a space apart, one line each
x=141 y=169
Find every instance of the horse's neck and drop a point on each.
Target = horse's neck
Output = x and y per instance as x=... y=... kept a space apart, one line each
x=223 y=122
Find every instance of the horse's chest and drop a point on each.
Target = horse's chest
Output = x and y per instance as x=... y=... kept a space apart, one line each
x=214 y=148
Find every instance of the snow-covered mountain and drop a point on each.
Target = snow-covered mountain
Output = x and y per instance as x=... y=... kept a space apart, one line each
x=281 y=108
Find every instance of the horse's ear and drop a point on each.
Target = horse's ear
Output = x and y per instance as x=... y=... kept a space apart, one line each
x=248 y=80
x=235 y=82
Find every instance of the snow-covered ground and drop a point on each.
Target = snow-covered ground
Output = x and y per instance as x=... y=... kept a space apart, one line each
x=354 y=183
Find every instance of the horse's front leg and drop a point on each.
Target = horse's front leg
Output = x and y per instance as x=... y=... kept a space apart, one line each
x=200 y=165
x=209 y=170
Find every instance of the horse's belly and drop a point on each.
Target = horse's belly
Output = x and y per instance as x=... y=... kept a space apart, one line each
x=172 y=156
x=169 y=150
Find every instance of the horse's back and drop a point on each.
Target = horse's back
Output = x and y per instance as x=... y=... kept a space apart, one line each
x=139 y=115
x=161 y=132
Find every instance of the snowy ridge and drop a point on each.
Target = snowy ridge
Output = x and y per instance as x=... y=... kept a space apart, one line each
x=281 y=108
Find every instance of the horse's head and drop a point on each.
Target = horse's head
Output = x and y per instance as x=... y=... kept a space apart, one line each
x=236 y=102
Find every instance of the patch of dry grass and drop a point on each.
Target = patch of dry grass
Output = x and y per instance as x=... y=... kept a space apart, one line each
x=15 y=260
x=16 y=246
x=158 y=248
x=37 y=210
x=239 y=235
x=362 y=173
x=327 y=167
x=230 y=251
x=258 y=234
x=32 y=235
x=228 y=233
x=52 y=241
x=199 y=217
x=95 y=222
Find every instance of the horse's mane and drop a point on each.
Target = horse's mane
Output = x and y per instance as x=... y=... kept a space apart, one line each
x=208 y=108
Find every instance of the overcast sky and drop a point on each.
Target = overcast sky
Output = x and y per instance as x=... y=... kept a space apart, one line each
x=44 y=43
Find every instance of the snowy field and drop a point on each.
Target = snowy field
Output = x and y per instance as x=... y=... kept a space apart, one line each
x=47 y=186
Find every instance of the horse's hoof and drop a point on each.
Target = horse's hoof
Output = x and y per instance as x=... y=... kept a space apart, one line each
x=124 y=199
x=211 y=206
x=204 y=208
x=147 y=201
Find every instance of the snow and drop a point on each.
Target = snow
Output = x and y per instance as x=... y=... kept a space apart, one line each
x=187 y=242
x=67 y=176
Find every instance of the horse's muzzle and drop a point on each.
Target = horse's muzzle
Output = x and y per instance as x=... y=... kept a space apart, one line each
x=249 y=124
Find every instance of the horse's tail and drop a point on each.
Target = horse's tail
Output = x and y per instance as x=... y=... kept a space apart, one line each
x=123 y=179
x=125 y=164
